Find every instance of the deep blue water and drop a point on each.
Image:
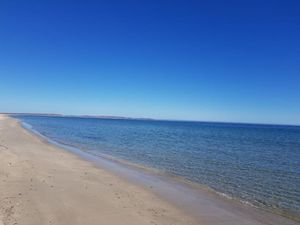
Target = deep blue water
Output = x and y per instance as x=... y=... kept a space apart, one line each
x=258 y=164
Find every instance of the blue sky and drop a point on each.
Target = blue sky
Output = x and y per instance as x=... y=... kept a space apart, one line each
x=191 y=60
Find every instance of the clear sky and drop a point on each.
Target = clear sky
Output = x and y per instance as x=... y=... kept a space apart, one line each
x=192 y=60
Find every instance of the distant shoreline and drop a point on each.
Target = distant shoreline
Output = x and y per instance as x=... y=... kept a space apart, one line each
x=141 y=118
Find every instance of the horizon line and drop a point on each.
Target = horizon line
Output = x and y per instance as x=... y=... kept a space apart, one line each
x=143 y=118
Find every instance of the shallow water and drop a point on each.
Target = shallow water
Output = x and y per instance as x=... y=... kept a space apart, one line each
x=257 y=164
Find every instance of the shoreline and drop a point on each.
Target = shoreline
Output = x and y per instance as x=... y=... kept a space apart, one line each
x=43 y=184
x=120 y=164
x=178 y=186
x=198 y=207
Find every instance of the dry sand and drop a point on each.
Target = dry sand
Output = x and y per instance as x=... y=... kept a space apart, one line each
x=42 y=184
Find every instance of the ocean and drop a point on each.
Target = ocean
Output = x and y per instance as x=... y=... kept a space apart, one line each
x=255 y=164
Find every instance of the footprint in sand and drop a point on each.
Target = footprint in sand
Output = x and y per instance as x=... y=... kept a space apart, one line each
x=3 y=146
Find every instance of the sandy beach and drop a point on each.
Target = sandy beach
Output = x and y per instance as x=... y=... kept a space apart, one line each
x=42 y=184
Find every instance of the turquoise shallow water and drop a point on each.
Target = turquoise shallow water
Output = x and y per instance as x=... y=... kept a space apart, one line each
x=257 y=164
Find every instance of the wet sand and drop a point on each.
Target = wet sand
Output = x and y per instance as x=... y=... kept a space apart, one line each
x=43 y=184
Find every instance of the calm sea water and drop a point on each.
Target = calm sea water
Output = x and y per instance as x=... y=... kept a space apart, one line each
x=258 y=164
